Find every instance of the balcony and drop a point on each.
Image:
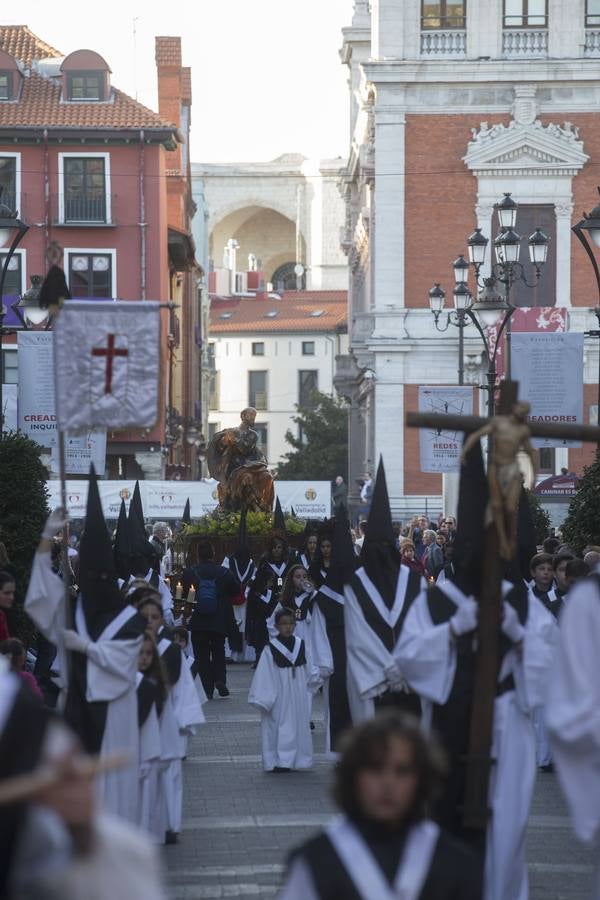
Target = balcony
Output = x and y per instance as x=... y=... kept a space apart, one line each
x=592 y=42
x=83 y=211
x=450 y=44
x=524 y=43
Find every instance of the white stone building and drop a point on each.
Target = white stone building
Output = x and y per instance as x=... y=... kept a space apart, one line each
x=452 y=104
x=271 y=353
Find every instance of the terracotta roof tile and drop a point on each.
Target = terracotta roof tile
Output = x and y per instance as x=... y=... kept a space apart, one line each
x=19 y=42
x=40 y=104
x=250 y=315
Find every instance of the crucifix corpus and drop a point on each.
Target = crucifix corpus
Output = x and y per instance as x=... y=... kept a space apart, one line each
x=508 y=433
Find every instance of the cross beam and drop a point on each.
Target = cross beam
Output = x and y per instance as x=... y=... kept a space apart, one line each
x=467 y=424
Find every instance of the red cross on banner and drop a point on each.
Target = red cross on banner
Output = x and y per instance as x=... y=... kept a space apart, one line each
x=110 y=352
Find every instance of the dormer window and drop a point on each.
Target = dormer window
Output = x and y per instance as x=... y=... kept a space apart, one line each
x=85 y=85
x=5 y=85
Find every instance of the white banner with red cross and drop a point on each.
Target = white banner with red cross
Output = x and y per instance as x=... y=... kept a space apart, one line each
x=107 y=359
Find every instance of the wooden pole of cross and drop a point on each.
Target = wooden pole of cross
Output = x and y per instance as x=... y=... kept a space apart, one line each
x=503 y=455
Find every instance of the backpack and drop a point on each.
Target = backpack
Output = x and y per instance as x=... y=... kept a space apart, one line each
x=206 y=597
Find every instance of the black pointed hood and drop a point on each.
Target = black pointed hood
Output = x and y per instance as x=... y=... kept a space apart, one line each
x=469 y=543
x=292 y=512
x=122 y=546
x=242 y=551
x=278 y=518
x=186 y=519
x=380 y=557
x=344 y=561
x=143 y=556
x=101 y=597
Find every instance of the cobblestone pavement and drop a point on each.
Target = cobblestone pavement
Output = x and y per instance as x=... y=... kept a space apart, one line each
x=239 y=822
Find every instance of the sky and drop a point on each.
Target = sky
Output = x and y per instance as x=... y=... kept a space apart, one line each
x=266 y=74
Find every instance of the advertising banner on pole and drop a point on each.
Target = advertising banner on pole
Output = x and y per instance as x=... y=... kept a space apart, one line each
x=37 y=412
x=440 y=450
x=80 y=451
x=549 y=369
x=166 y=499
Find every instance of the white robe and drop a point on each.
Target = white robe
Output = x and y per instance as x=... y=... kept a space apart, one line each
x=281 y=695
x=302 y=629
x=111 y=677
x=371 y=668
x=152 y=809
x=427 y=658
x=573 y=710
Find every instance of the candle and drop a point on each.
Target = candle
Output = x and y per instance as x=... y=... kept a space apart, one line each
x=191 y=597
x=179 y=591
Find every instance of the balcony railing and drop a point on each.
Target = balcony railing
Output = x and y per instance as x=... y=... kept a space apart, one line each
x=592 y=42
x=524 y=43
x=82 y=210
x=451 y=44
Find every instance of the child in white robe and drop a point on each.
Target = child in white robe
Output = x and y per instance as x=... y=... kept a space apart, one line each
x=280 y=690
x=297 y=594
x=152 y=695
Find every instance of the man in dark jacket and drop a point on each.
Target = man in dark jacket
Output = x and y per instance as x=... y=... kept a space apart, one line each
x=212 y=618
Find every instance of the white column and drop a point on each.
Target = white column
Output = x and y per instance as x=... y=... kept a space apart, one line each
x=389 y=420
x=450 y=488
x=387 y=40
x=566 y=29
x=484 y=28
x=389 y=207
x=564 y=212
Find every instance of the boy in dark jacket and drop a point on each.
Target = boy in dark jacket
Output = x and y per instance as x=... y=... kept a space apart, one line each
x=211 y=619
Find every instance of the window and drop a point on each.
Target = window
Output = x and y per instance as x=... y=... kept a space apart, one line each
x=308 y=384
x=8 y=180
x=262 y=430
x=214 y=389
x=525 y=14
x=546 y=461
x=445 y=14
x=529 y=217
x=213 y=427
x=10 y=367
x=13 y=285
x=257 y=390
x=592 y=13
x=90 y=274
x=308 y=348
x=258 y=348
x=5 y=85
x=85 y=85
x=84 y=191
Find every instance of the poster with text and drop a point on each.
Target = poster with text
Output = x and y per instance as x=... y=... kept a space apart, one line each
x=440 y=450
x=549 y=369
x=81 y=451
x=37 y=413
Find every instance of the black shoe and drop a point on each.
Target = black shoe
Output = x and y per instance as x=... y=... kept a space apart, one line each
x=279 y=769
x=222 y=689
x=171 y=837
x=549 y=767
x=312 y=726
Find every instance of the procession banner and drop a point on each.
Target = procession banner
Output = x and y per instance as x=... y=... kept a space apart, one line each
x=81 y=451
x=108 y=364
x=166 y=499
x=37 y=411
x=9 y=407
x=440 y=450
x=310 y=499
x=549 y=369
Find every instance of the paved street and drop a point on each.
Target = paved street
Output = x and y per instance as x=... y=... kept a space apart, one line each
x=240 y=823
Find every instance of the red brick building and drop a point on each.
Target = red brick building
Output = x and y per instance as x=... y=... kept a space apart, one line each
x=86 y=165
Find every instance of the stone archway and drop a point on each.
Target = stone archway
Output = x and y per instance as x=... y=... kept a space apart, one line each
x=259 y=230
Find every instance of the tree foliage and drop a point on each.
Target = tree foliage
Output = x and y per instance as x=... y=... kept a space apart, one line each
x=321 y=452
x=582 y=525
x=540 y=518
x=23 y=511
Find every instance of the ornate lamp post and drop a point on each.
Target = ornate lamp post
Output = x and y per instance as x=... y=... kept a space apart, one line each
x=493 y=304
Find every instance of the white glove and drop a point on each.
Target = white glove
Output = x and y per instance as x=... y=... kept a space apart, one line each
x=511 y=626
x=74 y=641
x=55 y=522
x=465 y=618
x=394 y=677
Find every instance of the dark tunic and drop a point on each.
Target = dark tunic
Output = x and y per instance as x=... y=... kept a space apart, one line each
x=340 y=717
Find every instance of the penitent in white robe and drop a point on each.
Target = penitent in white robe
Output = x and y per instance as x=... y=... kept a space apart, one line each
x=427 y=657
x=152 y=809
x=110 y=677
x=573 y=711
x=281 y=693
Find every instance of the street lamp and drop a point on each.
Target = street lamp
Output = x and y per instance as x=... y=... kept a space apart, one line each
x=12 y=232
x=590 y=225
x=493 y=304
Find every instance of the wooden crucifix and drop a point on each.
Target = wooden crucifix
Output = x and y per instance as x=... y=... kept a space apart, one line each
x=509 y=433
